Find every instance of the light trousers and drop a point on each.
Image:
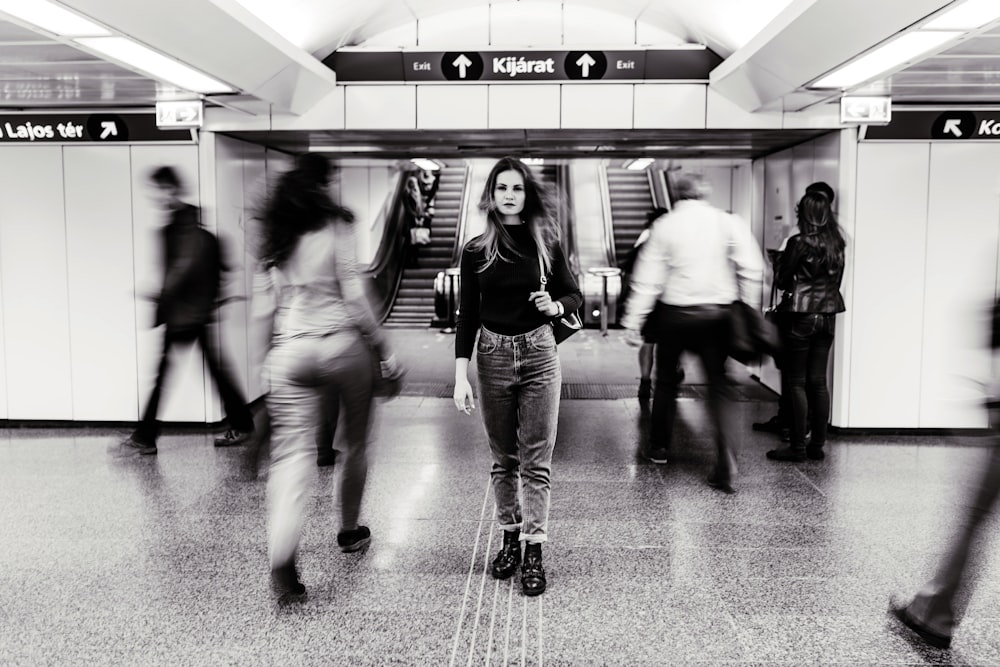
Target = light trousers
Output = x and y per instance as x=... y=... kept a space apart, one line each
x=304 y=372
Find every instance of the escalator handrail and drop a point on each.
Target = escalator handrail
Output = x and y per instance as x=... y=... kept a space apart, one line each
x=609 y=225
x=567 y=223
x=461 y=229
x=388 y=259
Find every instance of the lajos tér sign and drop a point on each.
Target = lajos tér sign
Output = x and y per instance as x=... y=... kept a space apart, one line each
x=85 y=128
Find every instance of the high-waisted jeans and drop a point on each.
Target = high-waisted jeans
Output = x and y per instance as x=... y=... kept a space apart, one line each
x=305 y=371
x=519 y=384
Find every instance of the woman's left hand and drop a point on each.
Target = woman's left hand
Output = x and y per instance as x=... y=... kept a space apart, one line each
x=544 y=303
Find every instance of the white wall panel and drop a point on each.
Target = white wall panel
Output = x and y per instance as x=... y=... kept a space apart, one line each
x=842 y=146
x=779 y=211
x=326 y=114
x=670 y=105
x=3 y=363
x=587 y=26
x=826 y=163
x=525 y=24
x=532 y=106
x=597 y=106
x=452 y=107
x=184 y=395
x=889 y=277
x=260 y=303
x=803 y=168
x=962 y=232
x=381 y=180
x=723 y=113
x=386 y=107
x=33 y=267
x=469 y=26
x=98 y=186
x=231 y=211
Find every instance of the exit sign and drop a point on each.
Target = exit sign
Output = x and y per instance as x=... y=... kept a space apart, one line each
x=865 y=110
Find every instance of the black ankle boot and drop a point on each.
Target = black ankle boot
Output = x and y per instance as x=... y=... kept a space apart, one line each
x=532 y=572
x=286 y=585
x=509 y=556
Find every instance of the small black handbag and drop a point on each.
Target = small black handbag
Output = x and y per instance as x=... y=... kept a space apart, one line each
x=565 y=326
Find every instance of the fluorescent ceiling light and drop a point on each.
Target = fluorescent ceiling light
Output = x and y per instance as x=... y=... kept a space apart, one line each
x=639 y=164
x=135 y=55
x=424 y=163
x=884 y=58
x=52 y=17
x=535 y=161
x=968 y=15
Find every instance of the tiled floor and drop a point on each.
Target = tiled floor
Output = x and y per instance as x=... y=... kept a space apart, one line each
x=162 y=560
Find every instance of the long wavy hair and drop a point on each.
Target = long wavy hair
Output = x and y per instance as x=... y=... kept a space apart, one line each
x=819 y=229
x=539 y=214
x=298 y=204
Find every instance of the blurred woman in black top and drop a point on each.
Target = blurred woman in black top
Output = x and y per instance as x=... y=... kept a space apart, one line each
x=809 y=273
x=518 y=366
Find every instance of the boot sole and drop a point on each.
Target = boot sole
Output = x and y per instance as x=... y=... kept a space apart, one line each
x=356 y=546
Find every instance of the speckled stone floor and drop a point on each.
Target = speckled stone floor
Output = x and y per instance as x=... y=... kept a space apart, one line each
x=162 y=560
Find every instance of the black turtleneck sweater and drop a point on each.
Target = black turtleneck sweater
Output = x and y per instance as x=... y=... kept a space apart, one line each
x=497 y=298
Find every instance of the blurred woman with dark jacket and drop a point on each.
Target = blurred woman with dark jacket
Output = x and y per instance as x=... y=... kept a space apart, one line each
x=809 y=273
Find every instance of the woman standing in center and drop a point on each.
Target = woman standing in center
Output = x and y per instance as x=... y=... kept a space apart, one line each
x=518 y=366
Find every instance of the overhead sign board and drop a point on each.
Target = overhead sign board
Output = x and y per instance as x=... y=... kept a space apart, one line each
x=73 y=128
x=950 y=125
x=179 y=113
x=519 y=65
x=865 y=110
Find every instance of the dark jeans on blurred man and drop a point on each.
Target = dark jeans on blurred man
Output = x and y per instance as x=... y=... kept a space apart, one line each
x=705 y=331
x=239 y=415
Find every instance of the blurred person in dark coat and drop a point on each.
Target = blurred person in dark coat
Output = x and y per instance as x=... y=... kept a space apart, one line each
x=186 y=305
x=322 y=350
x=935 y=611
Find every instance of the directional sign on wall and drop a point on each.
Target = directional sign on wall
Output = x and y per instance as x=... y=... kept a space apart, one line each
x=85 y=128
x=953 y=125
x=516 y=66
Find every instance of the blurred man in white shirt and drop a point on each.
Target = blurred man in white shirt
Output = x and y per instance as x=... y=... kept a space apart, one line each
x=697 y=262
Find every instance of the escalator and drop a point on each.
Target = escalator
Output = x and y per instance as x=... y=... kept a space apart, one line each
x=631 y=199
x=413 y=305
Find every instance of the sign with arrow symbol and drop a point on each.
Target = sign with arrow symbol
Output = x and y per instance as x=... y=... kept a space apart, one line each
x=954 y=125
x=107 y=127
x=590 y=65
x=464 y=66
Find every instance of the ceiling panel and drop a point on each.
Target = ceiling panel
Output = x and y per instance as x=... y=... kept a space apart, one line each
x=967 y=73
x=542 y=143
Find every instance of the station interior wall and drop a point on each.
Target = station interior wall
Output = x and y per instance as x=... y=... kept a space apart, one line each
x=79 y=258
x=925 y=261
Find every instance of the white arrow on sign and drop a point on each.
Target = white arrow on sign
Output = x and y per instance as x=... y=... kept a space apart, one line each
x=462 y=62
x=108 y=127
x=952 y=125
x=586 y=62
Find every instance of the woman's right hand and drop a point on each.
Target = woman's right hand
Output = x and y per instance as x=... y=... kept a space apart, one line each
x=463 y=396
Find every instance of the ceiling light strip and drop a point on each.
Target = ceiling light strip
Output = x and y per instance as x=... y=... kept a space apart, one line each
x=53 y=18
x=885 y=58
x=136 y=56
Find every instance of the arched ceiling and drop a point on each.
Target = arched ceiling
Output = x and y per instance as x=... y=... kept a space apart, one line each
x=321 y=26
x=269 y=51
